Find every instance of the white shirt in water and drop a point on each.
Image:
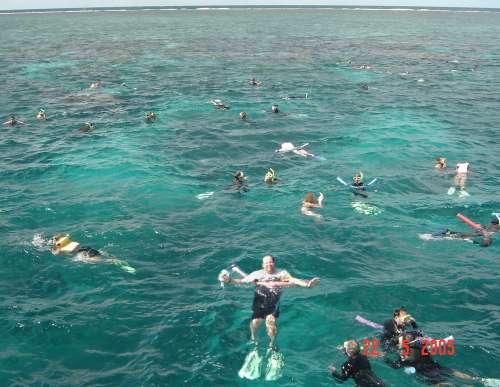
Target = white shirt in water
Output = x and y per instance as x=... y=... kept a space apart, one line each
x=261 y=275
x=462 y=167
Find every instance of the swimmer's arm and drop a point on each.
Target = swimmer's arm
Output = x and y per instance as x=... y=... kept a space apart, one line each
x=236 y=269
x=303 y=283
x=320 y=200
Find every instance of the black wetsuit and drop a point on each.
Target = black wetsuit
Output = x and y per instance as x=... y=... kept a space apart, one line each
x=358 y=188
x=266 y=301
x=358 y=367
x=391 y=333
x=478 y=237
x=424 y=365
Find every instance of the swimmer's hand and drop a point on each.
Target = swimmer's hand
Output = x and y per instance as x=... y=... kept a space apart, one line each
x=313 y=282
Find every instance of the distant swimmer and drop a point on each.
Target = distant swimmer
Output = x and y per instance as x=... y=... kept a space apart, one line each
x=62 y=244
x=310 y=202
x=288 y=97
x=219 y=104
x=270 y=177
x=239 y=182
x=150 y=116
x=95 y=85
x=414 y=355
x=461 y=171
x=365 y=87
x=274 y=108
x=363 y=67
x=357 y=367
x=269 y=283
x=243 y=115
x=87 y=127
x=289 y=147
x=254 y=82
x=440 y=163
x=41 y=116
x=395 y=327
x=12 y=121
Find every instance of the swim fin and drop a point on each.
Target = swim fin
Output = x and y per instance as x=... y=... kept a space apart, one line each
x=491 y=382
x=124 y=266
x=451 y=190
x=275 y=365
x=251 y=366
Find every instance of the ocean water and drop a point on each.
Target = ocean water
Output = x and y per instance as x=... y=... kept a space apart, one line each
x=130 y=188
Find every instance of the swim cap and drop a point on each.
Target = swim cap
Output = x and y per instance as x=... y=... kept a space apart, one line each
x=287 y=146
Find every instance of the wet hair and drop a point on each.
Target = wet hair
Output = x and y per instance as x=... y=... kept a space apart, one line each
x=269 y=255
x=239 y=175
x=398 y=311
x=310 y=198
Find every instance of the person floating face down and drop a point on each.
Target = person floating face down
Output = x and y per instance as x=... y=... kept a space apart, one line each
x=357 y=367
x=63 y=244
x=269 y=283
x=395 y=327
x=412 y=354
x=310 y=202
x=482 y=236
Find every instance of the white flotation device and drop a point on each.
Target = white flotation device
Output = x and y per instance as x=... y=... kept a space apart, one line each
x=462 y=167
x=66 y=245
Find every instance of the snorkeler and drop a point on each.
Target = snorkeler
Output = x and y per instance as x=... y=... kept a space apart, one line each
x=41 y=115
x=440 y=163
x=243 y=115
x=270 y=177
x=63 y=244
x=150 y=116
x=482 y=235
x=13 y=121
x=218 y=104
x=357 y=367
x=413 y=354
x=87 y=127
x=269 y=283
x=274 y=109
x=461 y=170
x=395 y=327
x=310 y=202
x=289 y=147
x=357 y=186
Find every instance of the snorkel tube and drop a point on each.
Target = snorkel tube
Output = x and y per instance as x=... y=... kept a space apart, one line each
x=469 y=222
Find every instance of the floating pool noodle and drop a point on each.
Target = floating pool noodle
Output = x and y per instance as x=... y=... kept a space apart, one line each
x=364 y=321
x=474 y=225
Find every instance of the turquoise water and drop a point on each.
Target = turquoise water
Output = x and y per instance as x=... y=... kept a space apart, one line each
x=129 y=188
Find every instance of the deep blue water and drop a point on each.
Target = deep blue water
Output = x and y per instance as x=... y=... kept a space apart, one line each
x=129 y=188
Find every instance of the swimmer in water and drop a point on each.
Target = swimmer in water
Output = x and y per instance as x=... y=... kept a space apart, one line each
x=95 y=85
x=270 y=177
x=310 y=202
x=413 y=354
x=357 y=367
x=274 y=109
x=269 y=283
x=289 y=147
x=395 y=327
x=12 y=121
x=254 y=82
x=87 y=127
x=218 y=104
x=243 y=115
x=440 y=163
x=482 y=236
x=62 y=244
x=41 y=115
x=461 y=170
x=150 y=116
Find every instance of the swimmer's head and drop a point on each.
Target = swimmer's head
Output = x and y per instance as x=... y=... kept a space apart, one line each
x=496 y=218
x=350 y=347
x=274 y=108
x=240 y=176
x=243 y=115
x=270 y=176
x=150 y=116
x=268 y=263
x=309 y=198
x=358 y=177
